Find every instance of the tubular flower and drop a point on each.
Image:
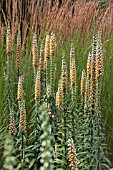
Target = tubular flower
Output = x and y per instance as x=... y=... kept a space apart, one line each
x=47 y=47
x=42 y=60
x=73 y=73
x=72 y=56
x=35 y=50
x=8 y=39
x=59 y=96
x=64 y=76
x=86 y=92
x=89 y=66
x=47 y=60
x=99 y=58
x=83 y=82
x=48 y=93
x=37 y=87
x=20 y=89
x=52 y=45
x=72 y=155
x=22 y=118
x=18 y=51
x=93 y=75
x=12 y=127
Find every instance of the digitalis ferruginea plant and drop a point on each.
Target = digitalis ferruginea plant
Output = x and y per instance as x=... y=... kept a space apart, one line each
x=8 y=39
x=64 y=76
x=83 y=82
x=42 y=58
x=47 y=47
x=52 y=44
x=99 y=58
x=18 y=50
x=12 y=126
x=59 y=95
x=37 y=86
x=22 y=118
x=35 y=50
x=20 y=90
x=72 y=155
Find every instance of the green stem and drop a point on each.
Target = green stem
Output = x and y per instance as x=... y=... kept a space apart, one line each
x=73 y=106
x=22 y=151
x=18 y=73
x=37 y=134
x=65 y=131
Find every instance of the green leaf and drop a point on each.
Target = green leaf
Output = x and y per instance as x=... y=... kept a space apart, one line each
x=32 y=163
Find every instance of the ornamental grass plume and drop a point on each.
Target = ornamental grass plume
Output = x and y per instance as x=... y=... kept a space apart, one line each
x=78 y=21
x=18 y=51
x=35 y=50
x=12 y=126
x=20 y=89
x=2 y=34
x=37 y=86
x=72 y=155
x=8 y=39
x=22 y=118
x=59 y=95
x=83 y=82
